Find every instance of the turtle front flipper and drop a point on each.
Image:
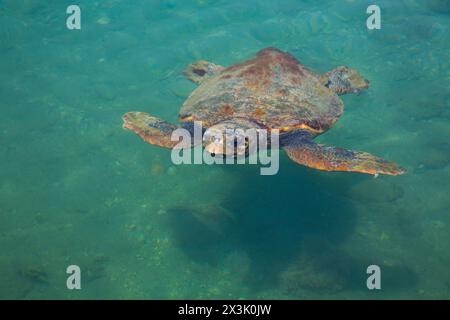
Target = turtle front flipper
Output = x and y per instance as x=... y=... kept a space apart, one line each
x=327 y=158
x=201 y=70
x=344 y=80
x=153 y=130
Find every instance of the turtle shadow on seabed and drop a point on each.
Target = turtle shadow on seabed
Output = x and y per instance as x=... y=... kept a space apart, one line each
x=202 y=232
x=295 y=222
x=269 y=225
x=276 y=214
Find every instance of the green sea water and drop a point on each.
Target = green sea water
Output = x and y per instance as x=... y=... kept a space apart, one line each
x=77 y=189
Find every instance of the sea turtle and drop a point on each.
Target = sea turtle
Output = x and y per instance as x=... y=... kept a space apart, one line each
x=271 y=91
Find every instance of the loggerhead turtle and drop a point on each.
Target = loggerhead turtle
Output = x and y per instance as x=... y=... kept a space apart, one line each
x=271 y=91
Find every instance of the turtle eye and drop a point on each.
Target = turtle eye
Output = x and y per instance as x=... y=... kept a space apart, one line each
x=199 y=72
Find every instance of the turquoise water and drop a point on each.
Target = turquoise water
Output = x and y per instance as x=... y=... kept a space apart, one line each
x=75 y=188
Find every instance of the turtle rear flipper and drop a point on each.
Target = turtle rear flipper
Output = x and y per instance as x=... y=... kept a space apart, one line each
x=201 y=70
x=153 y=130
x=327 y=158
x=344 y=80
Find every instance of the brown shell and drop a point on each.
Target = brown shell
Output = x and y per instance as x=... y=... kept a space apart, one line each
x=274 y=89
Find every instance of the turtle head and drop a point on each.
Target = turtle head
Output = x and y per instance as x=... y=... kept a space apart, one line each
x=201 y=70
x=344 y=80
x=231 y=138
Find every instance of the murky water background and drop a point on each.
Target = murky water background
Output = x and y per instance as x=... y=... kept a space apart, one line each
x=77 y=189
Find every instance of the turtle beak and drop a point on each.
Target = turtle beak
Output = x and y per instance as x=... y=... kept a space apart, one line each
x=236 y=138
x=227 y=144
x=215 y=148
x=357 y=82
x=214 y=143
